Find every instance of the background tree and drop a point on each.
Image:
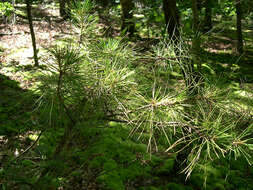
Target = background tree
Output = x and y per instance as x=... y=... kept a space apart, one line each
x=127 y=25
x=195 y=75
x=239 y=26
x=64 y=12
x=29 y=16
x=199 y=4
x=171 y=15
x=104 y=3
x=208 y=15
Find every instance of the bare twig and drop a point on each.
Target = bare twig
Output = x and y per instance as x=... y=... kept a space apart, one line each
x=30 y=147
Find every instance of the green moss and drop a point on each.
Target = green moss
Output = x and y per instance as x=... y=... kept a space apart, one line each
x=97 y=162
x=150 y=188
x=216 y=186
x=112 y=181
x=175 y=186
x=237 y=181
x=166 y=167
x=196 y=179
x=110 y=165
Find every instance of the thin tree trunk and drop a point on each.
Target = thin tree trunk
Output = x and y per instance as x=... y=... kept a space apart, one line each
x=14 y=14
x=239 y=26
x=171 y=15
x=208 y=16
x=196 y=35
x=199 y=4
x=29 y=16
x=104 y=3
x=194 y=79
x=62 y=8
x=64 y=12
x=171 y=19
x=128 y=24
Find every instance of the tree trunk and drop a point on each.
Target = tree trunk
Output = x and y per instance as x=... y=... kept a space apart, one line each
x=199 y=4
x=128 y=25
x=29 y=16
x=194 y=76
x=14 y=14
x=104 y=3
x=239 y=26
x=208 y=16
x=171 y=19
x=196 y=35
x=64 y=12
x=62 y=8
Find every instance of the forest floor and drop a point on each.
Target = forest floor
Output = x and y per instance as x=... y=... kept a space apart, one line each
x=17 y=77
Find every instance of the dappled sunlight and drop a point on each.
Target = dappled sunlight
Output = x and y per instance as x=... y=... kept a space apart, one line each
x=119 y=100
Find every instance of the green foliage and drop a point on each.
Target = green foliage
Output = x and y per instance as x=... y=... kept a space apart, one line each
x=82 y=18
x=84 y=83
x=92 y=85
x=6 y=9
x=228 y=8
x=149 y=18
x=96 y=86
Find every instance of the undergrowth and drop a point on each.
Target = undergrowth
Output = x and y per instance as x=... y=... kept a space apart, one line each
x=106 y=117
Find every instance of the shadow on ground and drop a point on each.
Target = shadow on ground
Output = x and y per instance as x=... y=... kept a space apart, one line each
x=15 y=107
